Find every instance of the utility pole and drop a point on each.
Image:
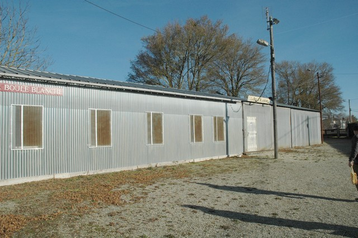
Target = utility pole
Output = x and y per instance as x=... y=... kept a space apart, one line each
x=350 y=111
x=272 y=50
x=270 y=22
x=320 y=106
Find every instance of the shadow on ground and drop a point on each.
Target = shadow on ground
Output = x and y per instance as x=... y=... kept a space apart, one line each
x=341 y=144
x=268 y=192
x=274 y=221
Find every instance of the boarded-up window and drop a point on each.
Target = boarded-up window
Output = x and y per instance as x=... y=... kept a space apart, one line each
x=196 y=128
x=27 y=127
x=219 y=129
x=100 y=128
x=154 y=128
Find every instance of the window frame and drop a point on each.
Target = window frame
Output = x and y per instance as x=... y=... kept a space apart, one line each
x=192 y=131
x=150 y=137
x=95 y=145
x=14 y=132
x=215 y=129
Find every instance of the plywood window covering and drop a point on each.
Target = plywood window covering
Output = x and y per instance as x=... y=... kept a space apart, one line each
x=196 y=128
x=100 y=128
x=27 y=127
x=219 y=129
x=154 y=128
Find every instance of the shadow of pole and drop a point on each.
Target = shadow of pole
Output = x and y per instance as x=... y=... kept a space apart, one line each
x=274 y=221
x=256 y=191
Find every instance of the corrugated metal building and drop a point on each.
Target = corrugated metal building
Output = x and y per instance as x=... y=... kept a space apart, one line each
x=296 y=127
x=55 y=125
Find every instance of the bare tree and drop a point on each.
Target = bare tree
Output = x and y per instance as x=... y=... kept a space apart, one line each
x=298 y=85
x=240 y=71
x=179 y=56
x=18 y=45
x=163 y=61
x=199 y=56
x=205 y=42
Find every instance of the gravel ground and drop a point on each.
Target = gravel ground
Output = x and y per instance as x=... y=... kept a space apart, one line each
x=306 y=192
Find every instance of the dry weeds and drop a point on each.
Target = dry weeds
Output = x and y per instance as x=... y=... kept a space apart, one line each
x=38 y=202
x=223 y=197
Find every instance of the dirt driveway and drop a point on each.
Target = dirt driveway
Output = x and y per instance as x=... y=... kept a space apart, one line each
x=306 y=192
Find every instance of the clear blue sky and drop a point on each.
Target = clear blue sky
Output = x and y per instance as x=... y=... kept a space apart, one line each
x=85 y=40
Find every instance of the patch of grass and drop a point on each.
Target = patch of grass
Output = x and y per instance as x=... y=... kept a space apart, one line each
x=288 y=150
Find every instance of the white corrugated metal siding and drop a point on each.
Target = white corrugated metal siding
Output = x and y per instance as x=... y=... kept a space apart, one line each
x=295 y=127
x=263 y=115
x=66 y=132
x=284 y=136
x=305 y=128
x=66 y=126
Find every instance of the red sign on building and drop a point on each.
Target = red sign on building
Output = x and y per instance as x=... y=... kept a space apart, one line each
x=21 y=88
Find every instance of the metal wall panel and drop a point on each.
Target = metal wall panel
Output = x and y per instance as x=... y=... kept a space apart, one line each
x=284 y=135
x=66 y=132
x=294 y=127
x=314 y=128
x=234 y=129
x=264 y=128
x=305 y=128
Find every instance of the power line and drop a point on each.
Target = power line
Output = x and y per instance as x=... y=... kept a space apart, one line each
x=319 y=23
x=346 y=73
x=117 y=15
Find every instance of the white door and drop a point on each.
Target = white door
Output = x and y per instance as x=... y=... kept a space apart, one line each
x=251 y=134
